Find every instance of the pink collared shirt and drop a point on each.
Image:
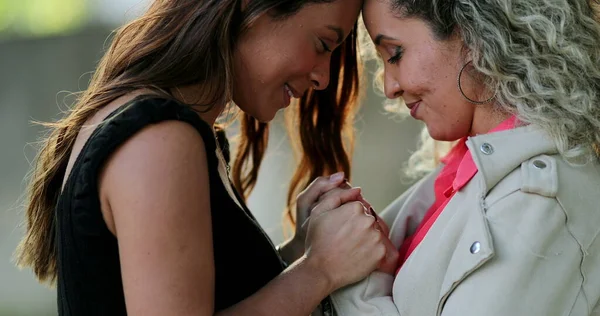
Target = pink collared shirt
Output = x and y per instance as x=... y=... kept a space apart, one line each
x=458 y=170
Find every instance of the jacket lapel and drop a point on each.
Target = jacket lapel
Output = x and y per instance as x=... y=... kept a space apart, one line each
x=475 y=245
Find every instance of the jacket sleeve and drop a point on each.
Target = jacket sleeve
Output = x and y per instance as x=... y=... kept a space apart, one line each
x=373 y=295
x=370 y=297
x=537 y=265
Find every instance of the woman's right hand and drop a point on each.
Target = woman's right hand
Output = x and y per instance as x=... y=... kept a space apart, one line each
x=389 y=264
x=343 y=240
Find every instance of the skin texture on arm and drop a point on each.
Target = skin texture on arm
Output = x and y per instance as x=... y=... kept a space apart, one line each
x=156 y=190
x=156 y=199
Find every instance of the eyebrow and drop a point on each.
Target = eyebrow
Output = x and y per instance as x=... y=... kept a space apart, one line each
x=381 y=37
x=338 y=31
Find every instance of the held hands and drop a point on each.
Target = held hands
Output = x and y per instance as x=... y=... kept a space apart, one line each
x=389 y=264
x=316 y=192
x=344 y=237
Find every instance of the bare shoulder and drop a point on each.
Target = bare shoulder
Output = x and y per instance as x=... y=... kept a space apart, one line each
x=88 y=127
x=168 y=150
x=156 y=190
x=160 y=161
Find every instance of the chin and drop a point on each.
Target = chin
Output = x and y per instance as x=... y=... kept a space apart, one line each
x=263 y=115
x=443 y=136
x=264 y=120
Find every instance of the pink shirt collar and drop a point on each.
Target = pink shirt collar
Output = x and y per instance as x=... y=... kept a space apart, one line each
x=467 y=167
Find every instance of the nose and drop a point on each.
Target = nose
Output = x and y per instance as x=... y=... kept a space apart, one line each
x=319 y=76
x=391 y=86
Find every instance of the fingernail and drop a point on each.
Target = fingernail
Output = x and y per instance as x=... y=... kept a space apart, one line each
x=336 y=177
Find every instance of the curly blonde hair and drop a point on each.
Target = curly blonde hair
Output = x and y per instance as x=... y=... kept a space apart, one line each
x=541 y=57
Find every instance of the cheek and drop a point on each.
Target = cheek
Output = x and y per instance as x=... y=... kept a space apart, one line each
x=276 y=66
x=442 y=92
x=449 y=119
x=415 y=76
x=299 y=58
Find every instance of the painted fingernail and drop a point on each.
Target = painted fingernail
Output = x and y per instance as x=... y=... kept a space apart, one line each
x=336 y=177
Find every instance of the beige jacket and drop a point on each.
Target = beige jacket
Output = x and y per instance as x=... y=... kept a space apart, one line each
x=519 y=239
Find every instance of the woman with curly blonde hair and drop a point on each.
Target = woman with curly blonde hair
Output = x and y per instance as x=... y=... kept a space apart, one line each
x=507 y=224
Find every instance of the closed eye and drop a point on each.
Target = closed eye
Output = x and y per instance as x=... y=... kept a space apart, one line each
x=396 y=55
x=325 y=46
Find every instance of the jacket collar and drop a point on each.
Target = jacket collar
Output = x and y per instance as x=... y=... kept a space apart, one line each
x=497 y=154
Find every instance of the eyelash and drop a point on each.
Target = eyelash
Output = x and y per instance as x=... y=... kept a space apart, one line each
x=397 y=55
x=325 y=47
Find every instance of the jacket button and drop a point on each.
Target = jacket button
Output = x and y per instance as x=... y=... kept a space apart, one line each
x=539 y=164
x=487 y=149
x=475 y=247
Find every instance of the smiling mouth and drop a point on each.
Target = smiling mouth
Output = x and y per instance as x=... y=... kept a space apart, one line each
x=412 y=105
x=291 y=92
x=288 y=90
x=288 y=95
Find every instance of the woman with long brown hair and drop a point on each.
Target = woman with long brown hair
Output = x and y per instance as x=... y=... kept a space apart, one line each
x=130 y=207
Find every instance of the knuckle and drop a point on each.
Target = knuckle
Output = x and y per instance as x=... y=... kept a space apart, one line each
x=316 y=210
x=328 y=194
x=332 y=200
x=320 y=180
x=302 y=193
x=301 y=197
x=380 y=251
x=357 y=208
x=315 y=183
x=379 y=238
x=369 y=224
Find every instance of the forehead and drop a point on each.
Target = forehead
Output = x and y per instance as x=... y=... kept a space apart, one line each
x=340 y=13
x=377 y=12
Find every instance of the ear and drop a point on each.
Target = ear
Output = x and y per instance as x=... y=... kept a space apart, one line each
x=456 y=42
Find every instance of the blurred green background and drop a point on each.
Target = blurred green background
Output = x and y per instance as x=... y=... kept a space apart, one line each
x=27 y=18
x=50 y=47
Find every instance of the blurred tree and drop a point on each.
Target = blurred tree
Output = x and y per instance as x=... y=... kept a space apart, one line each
x=26 y=18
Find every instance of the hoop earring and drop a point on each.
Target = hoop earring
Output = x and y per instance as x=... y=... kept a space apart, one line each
x=460 y=89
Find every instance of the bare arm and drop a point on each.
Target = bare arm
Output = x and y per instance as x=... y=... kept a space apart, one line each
x=297 y=291
x=156 y=190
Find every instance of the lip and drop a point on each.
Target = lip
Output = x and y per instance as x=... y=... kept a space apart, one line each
x=413 y=107
x=295 y=92
x=287 y=100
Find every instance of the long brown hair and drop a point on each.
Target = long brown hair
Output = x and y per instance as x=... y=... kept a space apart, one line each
x=156 y=51
x=320 y=127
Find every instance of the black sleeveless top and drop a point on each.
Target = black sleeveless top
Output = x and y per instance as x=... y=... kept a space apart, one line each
x=89 y=276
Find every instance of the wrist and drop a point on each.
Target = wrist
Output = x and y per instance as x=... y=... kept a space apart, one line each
x=313 y=270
